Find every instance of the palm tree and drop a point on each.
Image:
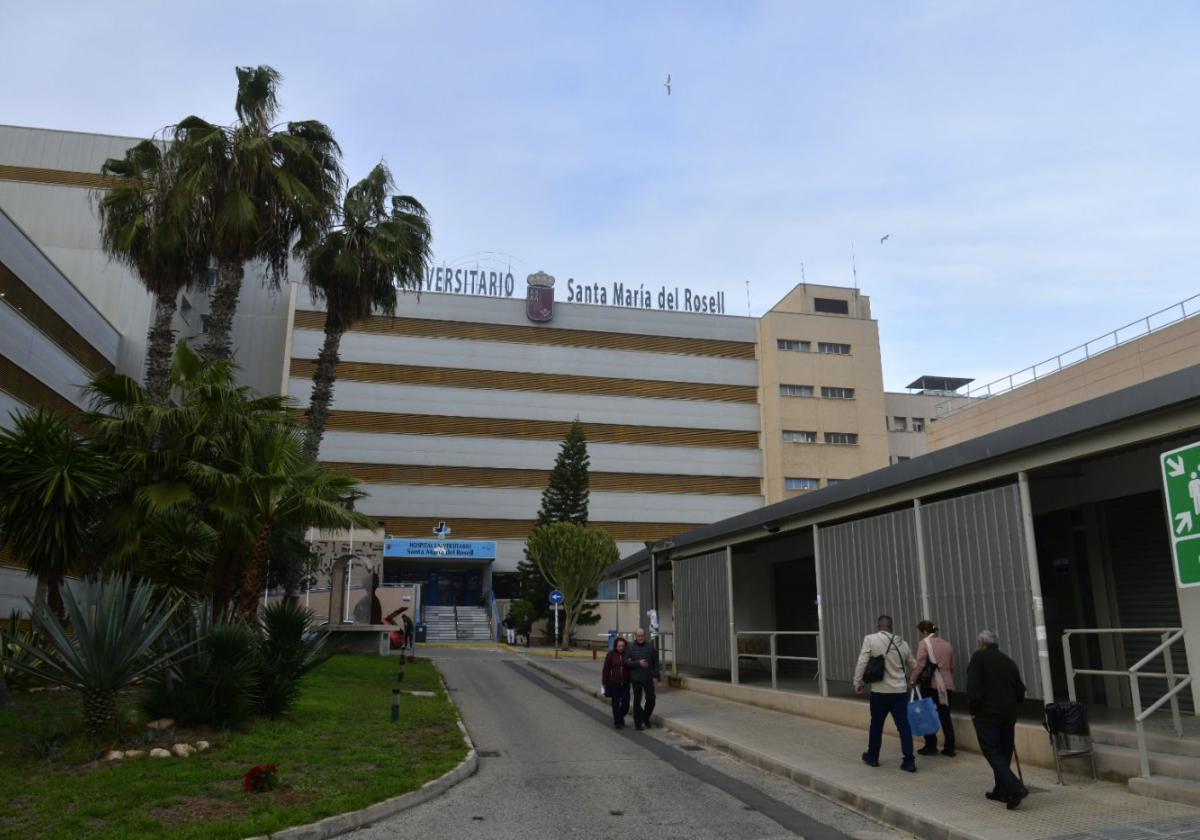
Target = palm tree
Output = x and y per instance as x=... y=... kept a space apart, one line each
x=267 y=476
x=356 y=268
x=52 y=486
x=259 y=186
x=148 y=226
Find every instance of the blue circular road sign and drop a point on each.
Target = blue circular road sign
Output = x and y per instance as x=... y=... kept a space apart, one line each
x=556 y=596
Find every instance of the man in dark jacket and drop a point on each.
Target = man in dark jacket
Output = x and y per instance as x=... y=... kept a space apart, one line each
x=995 y=692
x=642 y=660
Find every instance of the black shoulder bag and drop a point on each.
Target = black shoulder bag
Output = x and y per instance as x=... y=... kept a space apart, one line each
x=875 y=670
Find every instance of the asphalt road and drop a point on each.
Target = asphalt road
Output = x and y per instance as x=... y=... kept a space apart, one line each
x=560 y=770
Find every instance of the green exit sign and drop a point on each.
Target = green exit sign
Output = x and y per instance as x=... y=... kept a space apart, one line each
x=1181 y=487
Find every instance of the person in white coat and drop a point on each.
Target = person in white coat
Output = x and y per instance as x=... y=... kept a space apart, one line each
x=889 y=690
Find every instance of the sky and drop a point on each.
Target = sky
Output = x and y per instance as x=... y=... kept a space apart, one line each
x=1034 y=165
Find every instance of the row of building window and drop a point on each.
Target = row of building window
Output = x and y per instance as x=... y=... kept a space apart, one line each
x=797 y=346
x=901 y=424
x=808 y=391
x=840 y=438
x=808 y=483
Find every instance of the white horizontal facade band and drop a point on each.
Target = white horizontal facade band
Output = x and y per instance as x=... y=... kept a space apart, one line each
x=529 y=358
x=516 y=453
x=533 y=405
x=43 y=277
x=573 y=316
x=517 y=503
x=9 y=405
x=511 y=552
x=29 y=348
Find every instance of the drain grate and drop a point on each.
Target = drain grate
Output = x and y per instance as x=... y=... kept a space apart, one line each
x=488 y=753
x=692 y=747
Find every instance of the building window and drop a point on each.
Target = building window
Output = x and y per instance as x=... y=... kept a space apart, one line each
x=799 y=437
x=795 y=390
x=841 y=438
x=205 y=322
x=793 y=345
x=829 y=482
x=899 y=424
x=837 y=393
x=918 y=424
x=801 y=483
x=836 y=349
x=627 y=589
x=832 y=305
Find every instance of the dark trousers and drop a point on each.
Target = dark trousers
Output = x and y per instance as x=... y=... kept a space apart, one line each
x=619 y=695
x=947 y=728
x=895 y=705
x=641 y=714
x=996 y=742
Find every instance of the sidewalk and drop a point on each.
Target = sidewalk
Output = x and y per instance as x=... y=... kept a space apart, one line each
x=944 y=799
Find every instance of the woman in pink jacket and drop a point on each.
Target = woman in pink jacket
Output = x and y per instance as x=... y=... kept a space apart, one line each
x=937 y=652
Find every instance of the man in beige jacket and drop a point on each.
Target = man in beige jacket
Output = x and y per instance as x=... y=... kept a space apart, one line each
x=889 y=694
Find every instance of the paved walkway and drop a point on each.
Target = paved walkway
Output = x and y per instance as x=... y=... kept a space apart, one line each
x=944 y=799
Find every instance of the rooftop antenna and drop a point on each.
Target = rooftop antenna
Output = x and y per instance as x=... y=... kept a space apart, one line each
x=748 y=315
x=803 y=280
x=853 y=265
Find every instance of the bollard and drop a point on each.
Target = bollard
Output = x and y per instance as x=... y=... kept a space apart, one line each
x=593 y=651
x=400 y=674
x=395 y=705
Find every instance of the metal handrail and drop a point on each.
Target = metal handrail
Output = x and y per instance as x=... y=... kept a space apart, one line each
x=1030 y=374
x=774 y=655
x=1169 y=635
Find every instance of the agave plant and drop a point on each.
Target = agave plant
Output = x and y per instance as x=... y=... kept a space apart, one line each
x=289 y=649
x=115 y=624
x=10 y=650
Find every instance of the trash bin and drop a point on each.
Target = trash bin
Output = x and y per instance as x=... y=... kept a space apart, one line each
x=1070 y=737
x=420 y=634
x=612 y=638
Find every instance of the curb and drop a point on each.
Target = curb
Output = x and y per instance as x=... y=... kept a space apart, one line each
x=351 y=820
x=896 y=817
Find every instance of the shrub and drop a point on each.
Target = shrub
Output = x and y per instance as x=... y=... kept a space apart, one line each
x=15 y=642
x=218 y=686
x=260 y=778
x=288 y=650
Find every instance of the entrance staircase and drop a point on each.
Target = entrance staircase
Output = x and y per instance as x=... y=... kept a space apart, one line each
x=1174 y=761
x=474 y=624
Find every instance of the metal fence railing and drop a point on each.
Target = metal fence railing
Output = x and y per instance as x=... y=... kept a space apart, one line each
x=772 y=654
x=1151 y=323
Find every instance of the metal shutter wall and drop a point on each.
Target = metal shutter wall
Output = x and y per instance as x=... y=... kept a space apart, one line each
x=978 y=577
x=868 y=567
x=1140 y=552
x=702 y=611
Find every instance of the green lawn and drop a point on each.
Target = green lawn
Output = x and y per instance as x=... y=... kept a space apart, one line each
x=337 y=751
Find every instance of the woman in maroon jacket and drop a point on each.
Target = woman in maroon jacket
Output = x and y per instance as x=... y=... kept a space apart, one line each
x=615 y=678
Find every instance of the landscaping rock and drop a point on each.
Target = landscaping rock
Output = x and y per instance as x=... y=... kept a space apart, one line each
x=201 y=746
x=115 y=755
x=183 y=750
x=135 y=753
x=160 y=725
x=159 y=752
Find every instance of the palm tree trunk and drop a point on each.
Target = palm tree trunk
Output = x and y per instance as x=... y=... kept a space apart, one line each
x=322 y=389
x=256 y=574
x=222 y=306
x=159 y=343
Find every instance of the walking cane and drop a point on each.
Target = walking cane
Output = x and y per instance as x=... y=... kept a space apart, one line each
x=1020 y=775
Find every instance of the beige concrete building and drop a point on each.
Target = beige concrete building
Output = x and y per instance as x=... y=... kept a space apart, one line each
x=821 y=390
x=909 y=413
x=1123 y=358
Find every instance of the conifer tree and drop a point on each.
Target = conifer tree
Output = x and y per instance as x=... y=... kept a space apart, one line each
x=565 y=499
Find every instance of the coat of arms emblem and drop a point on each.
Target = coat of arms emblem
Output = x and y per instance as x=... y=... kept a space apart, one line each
x=539 y=299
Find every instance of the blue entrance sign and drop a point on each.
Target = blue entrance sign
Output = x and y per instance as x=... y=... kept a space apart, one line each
x=556 y=596
x=441 y=549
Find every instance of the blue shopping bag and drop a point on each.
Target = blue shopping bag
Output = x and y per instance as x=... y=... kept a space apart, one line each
x=922 y=714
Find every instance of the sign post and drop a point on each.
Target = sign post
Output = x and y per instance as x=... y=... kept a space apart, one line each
x=1181 y=490
x=556 y=600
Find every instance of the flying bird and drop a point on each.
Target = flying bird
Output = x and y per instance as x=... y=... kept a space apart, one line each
x=667 y=85
x=885 y=238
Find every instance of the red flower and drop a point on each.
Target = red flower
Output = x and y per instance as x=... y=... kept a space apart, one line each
x=260 y=778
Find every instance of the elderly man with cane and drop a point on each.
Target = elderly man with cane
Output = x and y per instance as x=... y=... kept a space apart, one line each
x=995 y=693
